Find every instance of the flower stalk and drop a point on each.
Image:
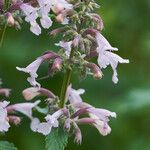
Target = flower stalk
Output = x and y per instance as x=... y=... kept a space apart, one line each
x=66 y=82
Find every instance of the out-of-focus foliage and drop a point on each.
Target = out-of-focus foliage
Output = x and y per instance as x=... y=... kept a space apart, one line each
x=127 y=26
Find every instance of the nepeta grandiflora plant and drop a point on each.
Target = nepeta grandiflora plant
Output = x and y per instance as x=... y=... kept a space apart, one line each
x=81 y=41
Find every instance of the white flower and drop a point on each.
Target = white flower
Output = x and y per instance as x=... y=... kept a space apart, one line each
x=106 y=57
x=59 y=5
x=35 y=28
x=25 y=108
x=74 y=95
x=4 y=124
x=30 y=12
x=66 y=46
x=32 y=69
x=44 y=9
x=31 y=16
x=46 y=22
x=46 y=127
x=101 y=117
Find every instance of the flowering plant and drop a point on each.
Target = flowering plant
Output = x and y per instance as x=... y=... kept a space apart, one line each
x=81 y=31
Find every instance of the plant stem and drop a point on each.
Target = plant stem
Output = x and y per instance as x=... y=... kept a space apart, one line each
x=66 y=82
x=3 y=34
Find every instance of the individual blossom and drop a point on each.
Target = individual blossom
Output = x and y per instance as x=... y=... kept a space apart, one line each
x=44 y=10
x=31 y=16
x=34 y=66
x=4 y=121
x=74 y=95
x=46 y=127
x=5 y=92
x=107 y=57
x=33 y=92
x=66 y=47
x=24 y=108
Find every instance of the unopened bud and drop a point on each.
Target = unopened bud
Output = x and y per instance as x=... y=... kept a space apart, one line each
x=60 y=18
x=14 y=119
x=58 y=8
x=32 y=92
x=56 y=66
x=10 y=19
x=5 y=92
x=56 y=31
x=97 y=73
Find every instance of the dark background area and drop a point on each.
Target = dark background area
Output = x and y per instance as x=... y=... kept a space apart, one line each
x=127 y=26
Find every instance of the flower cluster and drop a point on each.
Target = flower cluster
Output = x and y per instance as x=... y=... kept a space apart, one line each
x=71 y=115
x=59 y=7
x=81 y=40
x=7 y=112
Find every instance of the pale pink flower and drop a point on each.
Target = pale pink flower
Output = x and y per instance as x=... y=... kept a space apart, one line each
x=31 y=16
x=35 y=28
x=106 y=57
x=59 y=5
x=5 y=91
x=66 y=47
x=74 y=95
x=30 y=12
x=33 y=92
x=32 y=69
x=46 y=127
x=44 y=9
x=24 y=108
x=4 y=124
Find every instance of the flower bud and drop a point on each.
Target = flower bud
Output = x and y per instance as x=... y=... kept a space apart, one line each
x=58 y=8
x=32 y=92
x=10 y=19
x=97 y=73
x=14 y=119
x=5 y=92
x=60 y=18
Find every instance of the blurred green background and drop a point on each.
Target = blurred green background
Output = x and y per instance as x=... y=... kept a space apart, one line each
x=127 y=26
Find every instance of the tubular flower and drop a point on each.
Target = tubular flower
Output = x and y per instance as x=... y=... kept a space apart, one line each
x=4 y=121
x=45 y=127
x=107 y=57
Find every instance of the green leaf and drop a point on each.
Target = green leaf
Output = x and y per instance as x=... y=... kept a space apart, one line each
x=57 y=139
x=4 y=145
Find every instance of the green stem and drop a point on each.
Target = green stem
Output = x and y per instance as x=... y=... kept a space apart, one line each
x=3 y=34
x=66 y=82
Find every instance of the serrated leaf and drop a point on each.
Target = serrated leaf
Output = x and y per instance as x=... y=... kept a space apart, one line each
x=4 y=145
x=57 y=139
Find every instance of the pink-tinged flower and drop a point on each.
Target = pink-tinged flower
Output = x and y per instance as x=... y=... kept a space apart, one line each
x=24 y=108
x=78 y=134
x=35 y=28
x=5 y=92
x=4 y=124
x=33 y=92
x=66 y=47
x=30 y=12
x=44 y=9
x=74 y=95
x=34 y=66
x=106 y=57
x=45 y=127
x=102 y=126
x=31 y=16
x=59 y=5
x=32 y=69
x=46 y=22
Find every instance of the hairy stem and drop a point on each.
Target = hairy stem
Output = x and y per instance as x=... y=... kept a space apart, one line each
x=66 y=82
